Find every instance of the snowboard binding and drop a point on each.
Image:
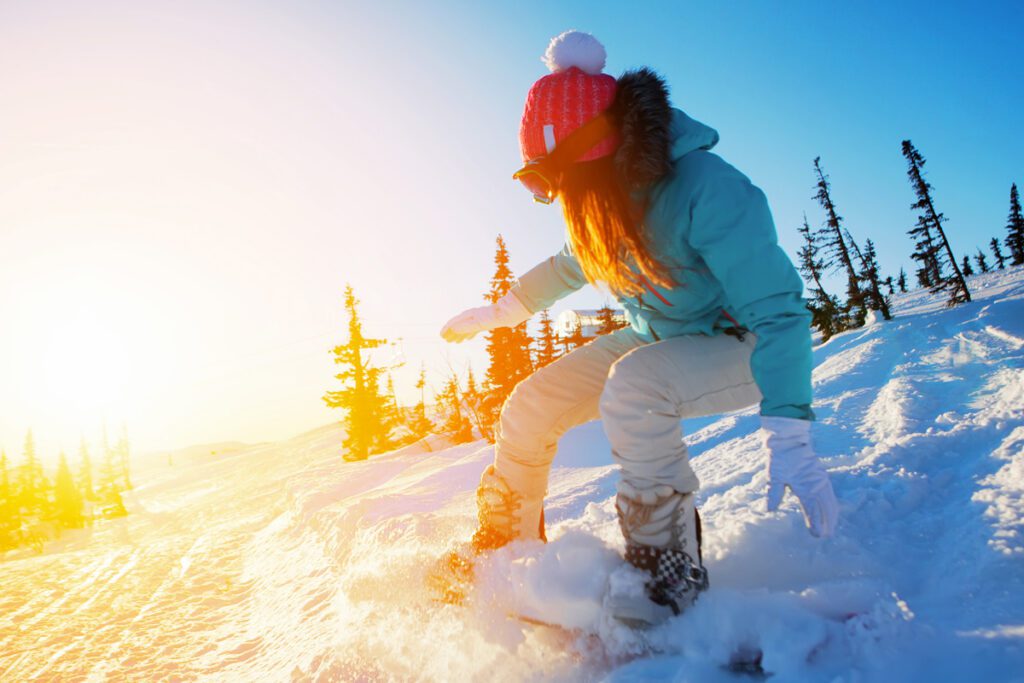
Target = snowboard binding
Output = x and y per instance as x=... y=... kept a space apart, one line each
x=663 y=538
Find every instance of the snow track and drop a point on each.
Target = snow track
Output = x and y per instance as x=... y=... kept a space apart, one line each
x=283 y=563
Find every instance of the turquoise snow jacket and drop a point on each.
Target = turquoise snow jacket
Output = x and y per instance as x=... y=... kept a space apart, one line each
x=714 y=230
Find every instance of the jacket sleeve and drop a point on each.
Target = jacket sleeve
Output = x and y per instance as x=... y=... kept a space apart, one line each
x=731 y=228
x=550 y=280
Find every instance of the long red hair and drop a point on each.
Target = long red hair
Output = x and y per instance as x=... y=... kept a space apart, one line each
x=606 y=229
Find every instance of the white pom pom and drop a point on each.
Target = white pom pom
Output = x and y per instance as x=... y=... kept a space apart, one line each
x=575 y=48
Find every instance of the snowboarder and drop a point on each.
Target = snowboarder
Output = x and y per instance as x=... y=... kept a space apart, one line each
x=687 y=245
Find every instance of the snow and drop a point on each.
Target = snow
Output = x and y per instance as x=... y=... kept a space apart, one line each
x=279 y=561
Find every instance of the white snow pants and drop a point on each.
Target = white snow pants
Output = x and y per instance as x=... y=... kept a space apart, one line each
x=640 y=390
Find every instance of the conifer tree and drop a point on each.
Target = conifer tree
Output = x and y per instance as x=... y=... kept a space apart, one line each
x=420 y=425
x=473 y=401
x=1015 y=229
x=902 y=281
x=575 y=339
x=547 y=350
x=456 y=423
x=869 y=275
x=1000 y=259
x=929 y=223
x=606 y=322
x=507 y=348
x=398 y=420
x=360 y=397
x=33 y=489
x=979 y=259
x=924 y=279
x=85 y=471
x=892 y=287
x=837 y=251
x=825 y=310
x=10 y=517
x=67 y=497
x=965 y=267
x=392 y=411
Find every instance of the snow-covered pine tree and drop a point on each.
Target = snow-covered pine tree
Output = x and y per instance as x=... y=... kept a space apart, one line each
x=965 y=267
x=837 y=253
x=68 y=502
x=547 y=349
x=825 y=310
x=929 y=224
x=360 y=397
x=1015 y=229
x=997 y=253
x=507 y=348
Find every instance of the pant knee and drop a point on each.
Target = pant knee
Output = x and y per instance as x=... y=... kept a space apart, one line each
x=527 y=419
x=633 y=388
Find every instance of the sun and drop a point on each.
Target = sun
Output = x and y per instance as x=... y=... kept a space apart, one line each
x=88 y=365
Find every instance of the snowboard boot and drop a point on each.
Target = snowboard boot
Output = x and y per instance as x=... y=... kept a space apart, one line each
x=504 y=516
x=662 y=531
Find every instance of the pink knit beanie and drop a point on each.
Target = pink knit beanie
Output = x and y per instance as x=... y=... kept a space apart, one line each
x=575 y=92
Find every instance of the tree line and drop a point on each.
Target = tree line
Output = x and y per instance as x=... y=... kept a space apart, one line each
x=832 y=249
x=464 y=409
x=461 y=408
x=35 y=508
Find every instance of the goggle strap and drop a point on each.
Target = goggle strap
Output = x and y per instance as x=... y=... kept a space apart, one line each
x=580 y=141
x=575 y=145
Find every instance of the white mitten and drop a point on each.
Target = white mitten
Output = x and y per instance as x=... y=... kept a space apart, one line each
x=508 y=311
x=792 y=463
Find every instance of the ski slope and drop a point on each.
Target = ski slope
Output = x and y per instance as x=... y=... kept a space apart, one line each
x=280 y=562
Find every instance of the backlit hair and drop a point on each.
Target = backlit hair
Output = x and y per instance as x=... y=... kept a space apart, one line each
x=606 y=229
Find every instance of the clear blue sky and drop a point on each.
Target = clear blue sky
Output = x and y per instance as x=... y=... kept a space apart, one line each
x=192 y=183
x=787 y=81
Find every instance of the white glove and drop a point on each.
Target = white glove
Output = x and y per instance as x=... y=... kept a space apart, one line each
x=508 y=311
x=792 y=463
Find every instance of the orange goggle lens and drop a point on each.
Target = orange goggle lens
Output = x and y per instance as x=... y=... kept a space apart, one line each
x=534 y=180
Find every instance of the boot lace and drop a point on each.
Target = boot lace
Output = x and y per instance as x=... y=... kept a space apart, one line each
x=497 y=508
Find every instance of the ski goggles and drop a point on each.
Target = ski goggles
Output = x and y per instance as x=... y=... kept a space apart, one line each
x=534 y=177
x=540 y=175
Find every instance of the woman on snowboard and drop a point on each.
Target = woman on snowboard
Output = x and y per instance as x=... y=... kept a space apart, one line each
x=687 y=245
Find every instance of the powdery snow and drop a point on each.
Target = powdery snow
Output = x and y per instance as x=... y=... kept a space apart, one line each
x=281 y=562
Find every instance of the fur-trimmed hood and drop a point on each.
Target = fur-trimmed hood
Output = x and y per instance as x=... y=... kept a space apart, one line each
x=654 y=134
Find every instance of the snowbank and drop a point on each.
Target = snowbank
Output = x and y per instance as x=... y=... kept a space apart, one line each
x=281 y=562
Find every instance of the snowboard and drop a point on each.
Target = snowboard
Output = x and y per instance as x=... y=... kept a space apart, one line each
x=450 y=582
x=744 y=660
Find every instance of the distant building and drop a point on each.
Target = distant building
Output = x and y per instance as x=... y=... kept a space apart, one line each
x=588 y=320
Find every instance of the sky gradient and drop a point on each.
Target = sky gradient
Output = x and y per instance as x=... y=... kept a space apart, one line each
x=186 y=188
